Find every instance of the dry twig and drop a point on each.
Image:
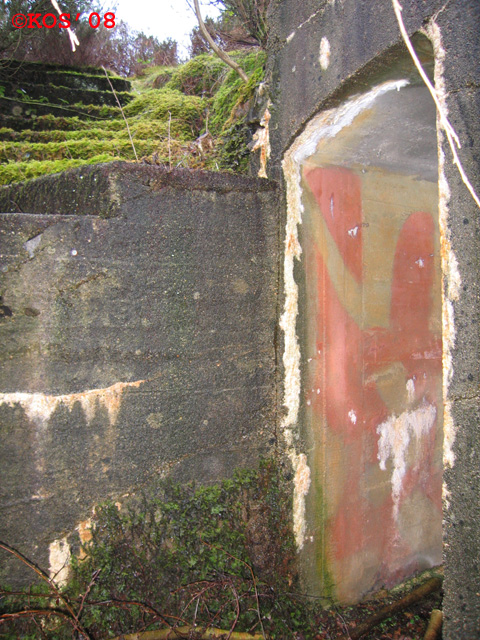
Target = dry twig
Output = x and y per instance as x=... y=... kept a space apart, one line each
x=452 y=137
x=121 y=110
x=432 y=585
x=434 y=626
x=70 y=614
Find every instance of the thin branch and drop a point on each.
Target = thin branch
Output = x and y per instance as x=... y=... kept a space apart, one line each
x=220 y=53
x=73 y=38
x=253 y=580
x=432 y=585
x=237 y=606
x=34 y=612
x=72 y=617
x=82 y=602
x=183 y=632
x=452 y=136
x=39 y=573
x=121 y=109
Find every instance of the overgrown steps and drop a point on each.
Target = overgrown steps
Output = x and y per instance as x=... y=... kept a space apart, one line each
x=53 y=118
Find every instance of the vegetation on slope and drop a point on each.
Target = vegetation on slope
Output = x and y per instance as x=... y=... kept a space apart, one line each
x=168 y=111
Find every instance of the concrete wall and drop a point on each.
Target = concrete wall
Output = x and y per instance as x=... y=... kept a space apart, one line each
x=323 y=55
x=136 y=337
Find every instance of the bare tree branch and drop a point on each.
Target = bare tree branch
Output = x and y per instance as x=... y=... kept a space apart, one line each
x=220 y=53
x=447 y=127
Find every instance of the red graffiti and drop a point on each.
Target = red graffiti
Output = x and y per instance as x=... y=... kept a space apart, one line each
x=343 y=392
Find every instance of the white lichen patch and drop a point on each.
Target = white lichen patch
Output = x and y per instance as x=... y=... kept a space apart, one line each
x=59 y=561
x=324 y=57
x=31 y=245
x=396 y=434
x=262 y=143
x=39 y=407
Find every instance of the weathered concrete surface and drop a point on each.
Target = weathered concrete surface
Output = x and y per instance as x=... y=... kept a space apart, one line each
x=133 y=346
x=327 y=52
x=460 y=29
x=370 y=337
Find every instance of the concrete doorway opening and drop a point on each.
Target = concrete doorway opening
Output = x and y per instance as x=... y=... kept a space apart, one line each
x=369 y=330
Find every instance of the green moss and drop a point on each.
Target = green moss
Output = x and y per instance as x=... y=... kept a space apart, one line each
x=19 y=171
x=221 y=556
x=162 y=103
x=153 y=78
x=77 y=149
x=233 y=96
x=139 y=129
x=162 y=123
x=200 y=76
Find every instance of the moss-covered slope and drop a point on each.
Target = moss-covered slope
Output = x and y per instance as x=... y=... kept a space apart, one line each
x=54 y=118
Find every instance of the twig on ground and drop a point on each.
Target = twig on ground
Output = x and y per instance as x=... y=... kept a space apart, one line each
x=183 y=632
x=434 y=626
x=432 y=585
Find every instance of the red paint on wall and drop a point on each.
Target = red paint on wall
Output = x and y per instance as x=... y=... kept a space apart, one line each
x=338 y=193
x=349 y=402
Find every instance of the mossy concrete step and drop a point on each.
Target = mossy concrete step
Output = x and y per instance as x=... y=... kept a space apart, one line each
x=23 y=110
x=68 y=120
x=51 y=94
x=89 y=78
x=74 y=129
x=80 y=149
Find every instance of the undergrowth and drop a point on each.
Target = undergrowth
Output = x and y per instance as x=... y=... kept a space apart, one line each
x=172 y=108
x=178 y=556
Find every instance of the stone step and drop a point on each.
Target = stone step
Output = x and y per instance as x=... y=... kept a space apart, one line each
x=89 y=78
x=58 y=95
x=24 y=111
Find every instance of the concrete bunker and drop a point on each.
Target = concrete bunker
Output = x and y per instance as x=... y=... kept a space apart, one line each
x=363 y=335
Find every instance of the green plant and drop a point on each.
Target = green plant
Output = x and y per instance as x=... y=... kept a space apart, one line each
x=221 y=556
x=199 y=76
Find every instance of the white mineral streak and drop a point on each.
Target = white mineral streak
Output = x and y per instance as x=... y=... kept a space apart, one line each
x=301 y=486
x=262 y=143
x=324 y=57
x=395 y=436
x=326 y=125
x=59 y=560
x=410 y=390
x=39 y=407
x=450 y=274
